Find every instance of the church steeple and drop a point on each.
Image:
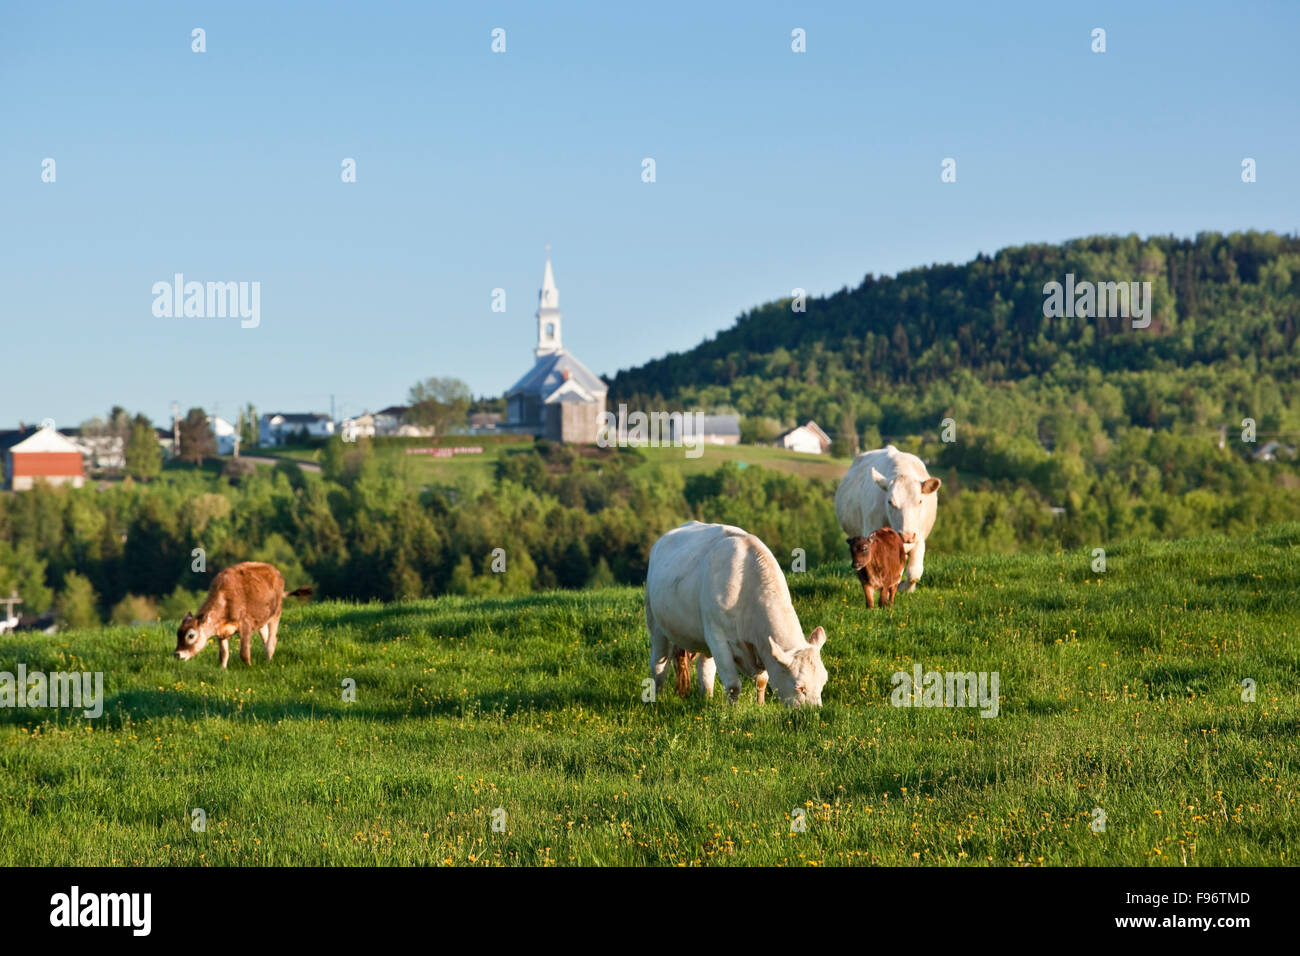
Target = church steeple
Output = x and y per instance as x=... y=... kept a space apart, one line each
x=548 y=313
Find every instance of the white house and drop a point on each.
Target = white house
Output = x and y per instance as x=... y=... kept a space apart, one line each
x=278 y=428
x=807 y=438
x=389 y=420
x=359 y=426
x=101 y=452
x=226 y=434
x=393 y=421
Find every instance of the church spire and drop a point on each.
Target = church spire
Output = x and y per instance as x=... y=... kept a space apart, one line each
x=548 y=312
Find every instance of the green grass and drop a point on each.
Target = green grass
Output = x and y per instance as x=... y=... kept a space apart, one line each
x=1119 y=691
x=473 y=473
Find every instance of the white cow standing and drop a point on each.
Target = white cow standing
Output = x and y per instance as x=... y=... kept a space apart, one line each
x=890 y=488
x=717 y=590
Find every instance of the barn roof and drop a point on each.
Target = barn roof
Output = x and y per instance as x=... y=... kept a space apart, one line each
x=44 y=440
x=297 y=418
x=720 y=425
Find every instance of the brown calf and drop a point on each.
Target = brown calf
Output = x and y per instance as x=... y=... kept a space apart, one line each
x=245 y=599
x=879 y=559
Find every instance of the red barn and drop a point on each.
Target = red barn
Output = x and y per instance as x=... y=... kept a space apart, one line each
x=42 y=455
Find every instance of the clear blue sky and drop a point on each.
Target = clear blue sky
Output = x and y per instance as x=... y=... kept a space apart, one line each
x=775 y=170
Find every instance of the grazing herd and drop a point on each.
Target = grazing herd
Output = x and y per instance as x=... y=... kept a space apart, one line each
x=715 y=596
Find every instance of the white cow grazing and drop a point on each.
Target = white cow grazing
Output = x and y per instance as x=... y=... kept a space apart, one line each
x=716 y=590
x=890 y=488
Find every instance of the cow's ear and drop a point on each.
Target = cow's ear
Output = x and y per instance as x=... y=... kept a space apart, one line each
x=818 y=637
x=779 y=654
x=930 y=485
x=189 y=616
x=879 y=479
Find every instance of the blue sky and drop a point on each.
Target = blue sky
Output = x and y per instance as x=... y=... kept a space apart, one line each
x=775 y=170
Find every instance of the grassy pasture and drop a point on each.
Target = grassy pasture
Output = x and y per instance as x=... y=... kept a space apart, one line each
x=1119 y=691
x=473 y=473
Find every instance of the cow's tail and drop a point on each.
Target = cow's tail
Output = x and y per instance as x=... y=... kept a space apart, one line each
x=299 y=592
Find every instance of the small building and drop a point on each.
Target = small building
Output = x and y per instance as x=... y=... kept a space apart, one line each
x=41 y=455
x=1270 y=451
x=395 y=421
x=280 y=428
x=559 y=398
x=360 y=426
x=714 y=429
x=807 y=438
x=100 y=452
x=226 y=434
x=481 y=422
x=389 y=420
x=8 y=619
x=166 y=441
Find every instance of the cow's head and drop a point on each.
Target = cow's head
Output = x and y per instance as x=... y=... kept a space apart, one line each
x=904 y=498
x=800 y=678
x=859 y=548
x=190 y=638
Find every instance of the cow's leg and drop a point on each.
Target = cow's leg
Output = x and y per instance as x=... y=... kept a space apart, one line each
x=915 y=566
x=728 y=671
x=866 y=588
x=887 y=595
x=660 y=651
x=269 y=632
x=761 y=681
x=706 y=671
x=246 y=642
x=223 y=650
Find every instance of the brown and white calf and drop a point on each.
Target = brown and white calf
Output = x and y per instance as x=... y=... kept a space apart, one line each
x=879 y=559
x=245 y=599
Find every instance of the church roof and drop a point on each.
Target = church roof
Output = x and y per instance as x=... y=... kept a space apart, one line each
x=547 y=375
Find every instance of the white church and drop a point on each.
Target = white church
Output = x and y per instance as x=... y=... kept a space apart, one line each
x=559 y=398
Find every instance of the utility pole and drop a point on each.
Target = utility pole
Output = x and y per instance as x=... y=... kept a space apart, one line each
x=176 y=430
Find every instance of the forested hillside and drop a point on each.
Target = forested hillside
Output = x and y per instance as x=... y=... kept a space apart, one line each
x=1057 y=429
x=896 y=355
